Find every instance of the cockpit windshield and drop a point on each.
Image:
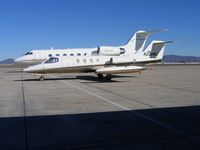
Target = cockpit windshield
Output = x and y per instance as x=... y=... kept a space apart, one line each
x=52 y=60
x=29 y=53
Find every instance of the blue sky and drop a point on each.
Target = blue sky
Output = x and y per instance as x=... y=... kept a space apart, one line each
x=41 y=24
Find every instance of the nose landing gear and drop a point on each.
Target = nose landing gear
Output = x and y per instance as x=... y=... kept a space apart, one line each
x=41 y=78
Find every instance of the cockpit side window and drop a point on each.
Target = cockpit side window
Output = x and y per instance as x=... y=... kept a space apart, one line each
x=29 y=53
x=52 y=60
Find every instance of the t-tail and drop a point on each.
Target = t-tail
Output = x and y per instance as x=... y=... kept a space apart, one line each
x=153 y=53
x=138 y=40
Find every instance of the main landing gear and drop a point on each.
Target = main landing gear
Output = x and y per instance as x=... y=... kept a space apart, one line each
x=106 y=77
x=100 y=76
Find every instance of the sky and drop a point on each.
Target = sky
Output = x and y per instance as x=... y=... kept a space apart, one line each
x=40 y=24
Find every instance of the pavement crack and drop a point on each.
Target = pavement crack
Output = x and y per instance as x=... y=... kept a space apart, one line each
x=25 y=115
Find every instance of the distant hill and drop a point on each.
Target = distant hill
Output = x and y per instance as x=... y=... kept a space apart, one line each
x=7 y=61
x=180 y=59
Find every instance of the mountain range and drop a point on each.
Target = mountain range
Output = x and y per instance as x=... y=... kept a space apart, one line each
x=166 y=59
x=7 y=61
x=180 y=59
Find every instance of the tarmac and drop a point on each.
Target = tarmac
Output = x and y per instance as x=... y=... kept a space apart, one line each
x=158 y=109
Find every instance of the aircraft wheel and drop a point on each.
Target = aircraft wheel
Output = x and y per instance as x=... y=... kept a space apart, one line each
x=100 y=76
x=41 y=78
x=108 y=77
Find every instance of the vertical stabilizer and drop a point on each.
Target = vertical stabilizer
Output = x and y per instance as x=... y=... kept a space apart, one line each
x=137 y=42
x=154 y=51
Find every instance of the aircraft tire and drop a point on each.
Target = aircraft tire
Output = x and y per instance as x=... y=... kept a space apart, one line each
x=100 y=76
x=108 y=77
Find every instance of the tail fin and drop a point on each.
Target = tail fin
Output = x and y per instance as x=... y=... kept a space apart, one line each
x=154 y=51
x=157 y=50
x=138 y=40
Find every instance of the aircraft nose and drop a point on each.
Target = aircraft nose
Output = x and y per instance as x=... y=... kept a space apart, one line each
x=18 y=60
x=33 y=69
x=29 y=69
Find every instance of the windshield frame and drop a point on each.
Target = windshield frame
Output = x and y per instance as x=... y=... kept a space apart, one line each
x=28 y=53
x=52 y=60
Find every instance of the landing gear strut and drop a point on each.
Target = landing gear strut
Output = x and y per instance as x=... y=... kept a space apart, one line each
x=41 y=78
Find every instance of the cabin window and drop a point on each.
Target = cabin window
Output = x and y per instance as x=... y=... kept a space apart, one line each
x=64 y=54
x=71 y=54
x=84 y=60
x=91 y=60
x=77 y=60
x=57 y=55
x=97 y=60
x=78 y=54
x=50 y=55
x=52 y=60
x=85 y=54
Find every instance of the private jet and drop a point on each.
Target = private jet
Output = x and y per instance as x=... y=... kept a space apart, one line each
x=135 y=44
x=103 y=66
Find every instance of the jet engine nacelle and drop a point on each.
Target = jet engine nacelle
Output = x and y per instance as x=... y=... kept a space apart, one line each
x=110 y=51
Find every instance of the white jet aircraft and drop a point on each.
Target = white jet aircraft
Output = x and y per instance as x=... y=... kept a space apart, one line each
x=103 y=66
x=135 y=44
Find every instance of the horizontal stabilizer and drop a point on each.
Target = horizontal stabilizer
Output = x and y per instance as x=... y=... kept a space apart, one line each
x=166 y=42
x=171 y=41
x=121 y=69
x=157 y=30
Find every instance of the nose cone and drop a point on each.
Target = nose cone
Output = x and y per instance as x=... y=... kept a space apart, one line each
x=28 y=70
x=34 y=69
x=24 y=59
x=18 y=60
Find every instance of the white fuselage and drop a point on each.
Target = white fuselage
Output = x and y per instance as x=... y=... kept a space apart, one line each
x=38 y=56
x=78 y=64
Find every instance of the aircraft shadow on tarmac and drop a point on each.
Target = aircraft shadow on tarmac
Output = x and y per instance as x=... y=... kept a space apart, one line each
x=87 y=78
x=161 y=128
